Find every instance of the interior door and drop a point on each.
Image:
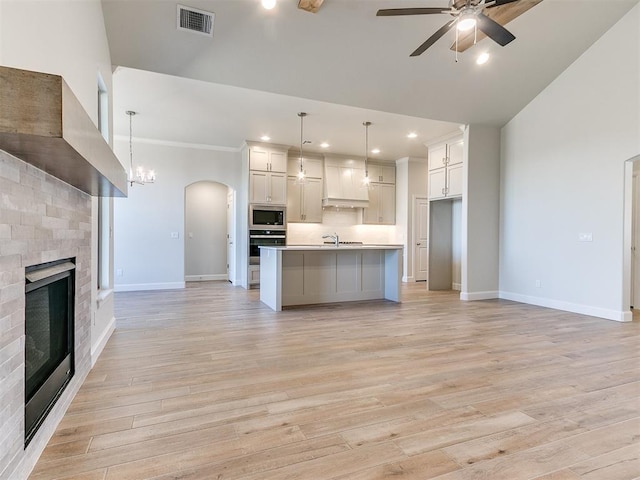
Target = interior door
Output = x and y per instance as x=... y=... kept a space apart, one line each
x=635 y=238
x=420 y=233
x=231 y=247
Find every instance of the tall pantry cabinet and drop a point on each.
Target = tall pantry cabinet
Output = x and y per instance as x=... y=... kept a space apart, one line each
x=445 y=191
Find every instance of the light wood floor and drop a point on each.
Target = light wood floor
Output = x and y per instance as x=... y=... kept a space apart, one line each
x=208 y=383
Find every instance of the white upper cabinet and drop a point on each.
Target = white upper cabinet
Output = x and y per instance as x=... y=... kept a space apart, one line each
x=267 y=159
x=267 y=187
x=446 y=169
x=312 y=167
x=382 y=195
x=382 y=205
x=382 y=173
x=304 y=201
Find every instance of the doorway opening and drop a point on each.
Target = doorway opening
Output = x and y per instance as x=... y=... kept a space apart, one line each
x=209 y=226
x=631 y=252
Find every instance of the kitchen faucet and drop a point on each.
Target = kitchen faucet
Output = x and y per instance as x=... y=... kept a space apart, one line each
x=333 y=237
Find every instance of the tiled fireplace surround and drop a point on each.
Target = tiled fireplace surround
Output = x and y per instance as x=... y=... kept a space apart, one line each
x=41 y=219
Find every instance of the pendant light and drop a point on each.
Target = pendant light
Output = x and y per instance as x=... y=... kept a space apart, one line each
x=301 y=177
x=366 y=181
x=141 y=175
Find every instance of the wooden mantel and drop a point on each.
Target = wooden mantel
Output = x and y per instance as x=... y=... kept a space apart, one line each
x=44 y=124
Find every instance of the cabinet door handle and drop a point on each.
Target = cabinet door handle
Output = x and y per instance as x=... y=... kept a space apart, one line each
x=443 y=190
x=444 y=161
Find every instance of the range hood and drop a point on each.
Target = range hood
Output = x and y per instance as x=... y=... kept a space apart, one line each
x=44 y=124
x=343 y=183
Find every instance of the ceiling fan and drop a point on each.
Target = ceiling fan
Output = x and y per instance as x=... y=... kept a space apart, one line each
x=469 y=16
x=310 y=5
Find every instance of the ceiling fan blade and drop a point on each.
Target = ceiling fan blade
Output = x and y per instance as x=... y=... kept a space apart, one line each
x=496 y=3
x=502 y=14
x=390 y=12
x=494 y=30
x=310 y=5
x=434 y=38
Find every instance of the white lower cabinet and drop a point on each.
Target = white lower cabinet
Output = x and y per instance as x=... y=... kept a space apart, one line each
x=254 y=274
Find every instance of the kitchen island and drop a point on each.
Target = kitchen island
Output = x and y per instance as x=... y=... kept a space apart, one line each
x=312 y=274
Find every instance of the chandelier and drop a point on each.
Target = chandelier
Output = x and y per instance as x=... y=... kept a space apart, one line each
x=140 y=176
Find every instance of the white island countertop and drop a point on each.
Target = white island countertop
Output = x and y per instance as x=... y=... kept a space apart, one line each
x=326 y=273
x=330 y=246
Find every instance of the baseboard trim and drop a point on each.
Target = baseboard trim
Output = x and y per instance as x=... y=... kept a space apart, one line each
x=96 y=350
x=136 y=287
x=471 y=296
x=616 y=315
x=206 y=278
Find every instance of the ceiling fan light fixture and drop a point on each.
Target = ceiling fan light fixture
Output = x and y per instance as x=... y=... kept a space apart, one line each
x=268 y=4
x=466 y=21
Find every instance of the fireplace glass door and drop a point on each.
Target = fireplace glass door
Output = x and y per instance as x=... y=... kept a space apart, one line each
x=49 y=313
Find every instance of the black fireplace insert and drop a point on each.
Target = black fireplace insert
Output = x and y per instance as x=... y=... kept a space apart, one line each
x=49 y=325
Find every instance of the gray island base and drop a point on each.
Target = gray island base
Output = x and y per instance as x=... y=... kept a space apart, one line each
x=307 y=275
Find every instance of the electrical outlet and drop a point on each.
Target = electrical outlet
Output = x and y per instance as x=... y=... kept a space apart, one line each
x=175 y=235
x=538 y=284
x=119 y=272
x=585 y=237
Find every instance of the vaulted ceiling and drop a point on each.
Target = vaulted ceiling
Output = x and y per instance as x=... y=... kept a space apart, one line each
x=342 y=64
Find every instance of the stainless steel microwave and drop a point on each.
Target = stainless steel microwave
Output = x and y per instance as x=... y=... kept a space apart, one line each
x=270 y=217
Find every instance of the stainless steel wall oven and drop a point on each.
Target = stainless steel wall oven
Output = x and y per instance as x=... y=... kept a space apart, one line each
x=258 y=238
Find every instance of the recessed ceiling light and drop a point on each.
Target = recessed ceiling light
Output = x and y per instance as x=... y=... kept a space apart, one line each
x=324 y=145
x=268 y=4
x=265 y=138
x=375 y=150
x=482 y=58
x=412 y=135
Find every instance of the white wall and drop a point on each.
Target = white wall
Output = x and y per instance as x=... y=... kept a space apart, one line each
x=146 y=255
x=411 y=181
x=562 y=173
x=480 y=212
x=64 y=37
x=206 y=231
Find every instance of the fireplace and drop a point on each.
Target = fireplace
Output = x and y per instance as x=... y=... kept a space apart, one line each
x=49 y=343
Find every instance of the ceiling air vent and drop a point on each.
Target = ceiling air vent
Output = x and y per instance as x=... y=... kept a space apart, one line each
x=194 y=20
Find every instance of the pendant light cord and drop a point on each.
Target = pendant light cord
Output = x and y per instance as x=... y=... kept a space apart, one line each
x=366 y=149
x=131 y=113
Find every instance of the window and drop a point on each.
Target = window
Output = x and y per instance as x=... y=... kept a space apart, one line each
x=104 y=203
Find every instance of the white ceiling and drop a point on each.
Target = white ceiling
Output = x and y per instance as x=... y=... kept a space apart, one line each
x=342 y=65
